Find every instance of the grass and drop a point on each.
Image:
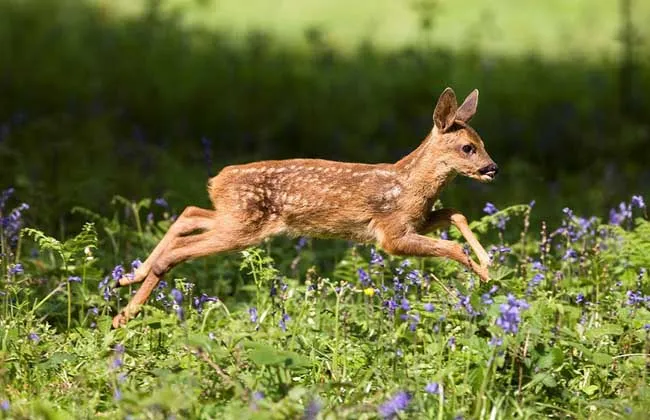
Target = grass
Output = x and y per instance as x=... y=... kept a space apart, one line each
x=303 y=330
x=554 y=28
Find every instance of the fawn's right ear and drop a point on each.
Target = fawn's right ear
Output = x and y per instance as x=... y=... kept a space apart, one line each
x=445 y=112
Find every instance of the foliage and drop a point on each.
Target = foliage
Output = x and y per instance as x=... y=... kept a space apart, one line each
x=562 y=331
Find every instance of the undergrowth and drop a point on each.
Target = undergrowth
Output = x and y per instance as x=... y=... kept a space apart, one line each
x=562 y=330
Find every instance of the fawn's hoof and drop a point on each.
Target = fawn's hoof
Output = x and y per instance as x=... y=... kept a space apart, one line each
x=119 y=320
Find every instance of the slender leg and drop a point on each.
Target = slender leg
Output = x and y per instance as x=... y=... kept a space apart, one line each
x=192 y=219
x=423 y=246
x=180 y=249
x=444 y=217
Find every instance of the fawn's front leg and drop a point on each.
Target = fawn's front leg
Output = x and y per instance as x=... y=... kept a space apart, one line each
x=444 y=217
x=423 y=246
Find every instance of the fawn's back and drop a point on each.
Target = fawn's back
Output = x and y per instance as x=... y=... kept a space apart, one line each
x=310 y=197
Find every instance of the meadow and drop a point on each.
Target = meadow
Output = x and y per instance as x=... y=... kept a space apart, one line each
x=113 y=114
x=562 y=330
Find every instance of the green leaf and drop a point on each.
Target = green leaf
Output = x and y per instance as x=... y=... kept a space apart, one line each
x=606 y=329
x=602 y=359
x=264 y=355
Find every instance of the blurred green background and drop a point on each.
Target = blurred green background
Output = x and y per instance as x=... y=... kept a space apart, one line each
x=149 y=98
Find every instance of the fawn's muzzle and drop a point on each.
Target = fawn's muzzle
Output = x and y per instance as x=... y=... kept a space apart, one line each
x=490 y=170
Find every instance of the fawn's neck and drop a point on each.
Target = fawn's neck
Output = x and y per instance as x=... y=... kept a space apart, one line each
x=426 y=168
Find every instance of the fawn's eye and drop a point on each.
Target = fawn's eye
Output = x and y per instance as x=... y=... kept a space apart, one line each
x=468 y=148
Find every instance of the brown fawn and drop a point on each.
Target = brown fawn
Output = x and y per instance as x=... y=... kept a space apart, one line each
x=388 y=204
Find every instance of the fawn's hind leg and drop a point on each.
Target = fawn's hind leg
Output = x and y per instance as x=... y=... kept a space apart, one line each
x=228 y=236
x=190 y=220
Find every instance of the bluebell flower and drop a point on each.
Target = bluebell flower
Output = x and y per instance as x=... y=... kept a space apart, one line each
x=177 y=296
x=510 y=314
x=118 y=272
x=432 y=388
x=396 y=404
x=74 y=279
x=618 y=217
x=637 y=201
x=161 y=202
x=312 y=409
x=253 y=314
x=444 y=234
x=452 y=342
x=16 y=269
x=135 y=264
x=13 y=223
x=428 y=307
x=283 y=321
x=117 y=394
x=496 y=341
x=258 y=395
x=415 y=320
x=199 y=301
x=364 y=277
x=302 y=242
x=635 y=297
x=580 y=298
x=570 y=254
x=34 y=337
x=405 y=305
x=490 y=208
x=376 y=258
x=464 y=302
x=4 y=196
x=4 y=405
x=150 y=218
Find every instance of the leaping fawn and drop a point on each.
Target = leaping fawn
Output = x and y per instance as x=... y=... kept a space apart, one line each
x=390 y=204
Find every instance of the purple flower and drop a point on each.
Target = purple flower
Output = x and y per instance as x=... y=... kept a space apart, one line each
x=4 y=196
x=635 y=297
x=34 y=337
x=4 y=405
x=161 y=202
x=580 y=298
x=199 y=301
x=117 y=394
x=570 y=254
x=510 y=314
x=74 y=279
x=207 y=153
x=428 y=307
x=452 y=343
x=432 y=388
x=253 y=314
x=302 y=242
x=177 y=295
x=405 y=304
x=16 y=269
x=312 y=409
x=258 y=395
x=135 y=264
x=496 y=341
x=637 y=201
x=618 y=217
x=364 y=277
x=464 y=302
x=490 y=208
x=118 y=272
x=13 y=223
x=391 y=408
x=415 y=320
x=376 y=258
x=283 y=321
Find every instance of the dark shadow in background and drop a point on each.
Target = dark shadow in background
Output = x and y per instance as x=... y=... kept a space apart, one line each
x=91 y=107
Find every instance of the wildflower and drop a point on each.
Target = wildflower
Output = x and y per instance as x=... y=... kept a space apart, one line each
x=253 y=314
x=135 y=264
x=312 y=409
x=302 y=242
x=391 y=408
x=4 y=405
x=376 y=258
x=580 y=298
x=177 y=295
x=16 y=269
x=150 y=218
x=495 y=341
x=283 y=321
x=451 y=343
x=207 y=153
x=74 y=279
x=13 y=223
x=199 y=301
x=258 y=395
x=118 y=272
x=405 y=304
x=490 y=208
x=428 y=307
x=637 y=201
x=510 y=316
x=432 y=388
x=414 y=277
x=391 y=305
x=4 y=196
x=444 y=234
x=161 y=202
x=570 y=254
x=635 y=298
x=415 y=320
x=403 y=265
x=117 y=394
x=618 y=217
x=211 y=335
x=464 y=302
x=369 y=291
x=34 y=337
x=105 y=288
x=364 y=277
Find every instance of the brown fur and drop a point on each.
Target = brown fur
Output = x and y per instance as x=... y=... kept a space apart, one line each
x=389 y=204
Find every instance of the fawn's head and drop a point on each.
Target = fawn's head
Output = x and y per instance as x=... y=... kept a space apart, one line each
x=460 y=146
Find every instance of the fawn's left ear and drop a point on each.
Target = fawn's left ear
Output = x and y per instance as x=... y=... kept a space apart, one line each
x=467 y=110
x=445 y=112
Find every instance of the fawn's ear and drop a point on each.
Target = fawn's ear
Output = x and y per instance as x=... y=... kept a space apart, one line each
x=445 y=112
x=467 y=110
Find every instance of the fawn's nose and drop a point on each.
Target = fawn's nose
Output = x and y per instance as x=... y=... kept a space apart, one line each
x=490 y=170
